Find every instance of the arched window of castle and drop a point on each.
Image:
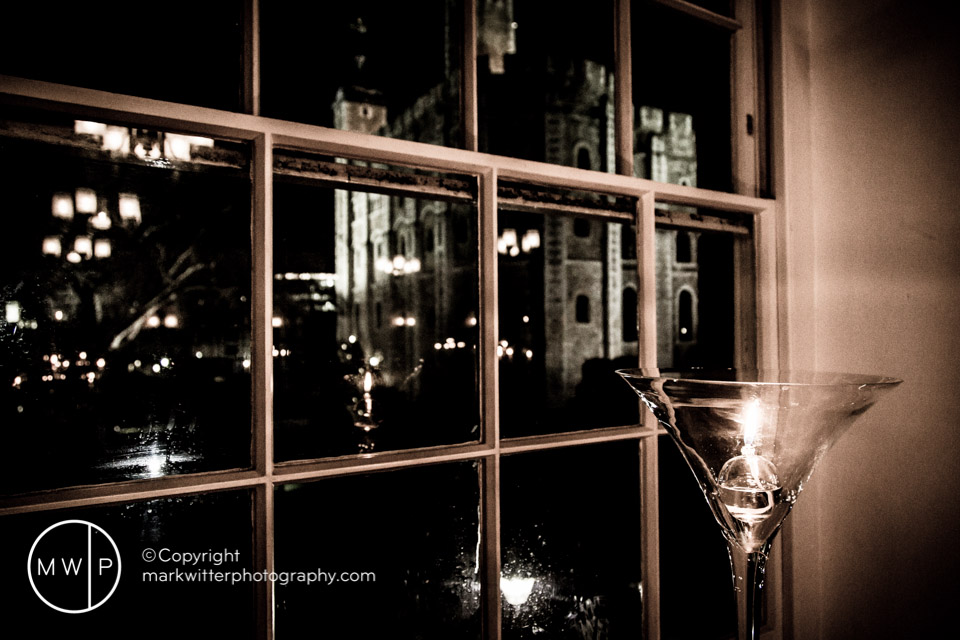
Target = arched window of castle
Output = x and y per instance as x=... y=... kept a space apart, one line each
x=583 y=309
x=683 y=252
x=629 y=314
x=584 y=159
x=685 y=315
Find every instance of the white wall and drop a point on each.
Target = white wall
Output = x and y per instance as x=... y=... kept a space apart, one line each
x=872 y=181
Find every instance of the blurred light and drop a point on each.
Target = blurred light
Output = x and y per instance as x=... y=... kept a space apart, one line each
x=130 y=207
x=374 y=361
x=276 y=352
x=116 y=139
x=246 y=363
x=526 y=319
x=83 y=245
x=504 y=343
x=472 y=320
x=199 y=354
x=683 y=331
x=530 y=241
x=51 y=246
x=91 y=376
x=156 y=368
x=58 y=315
x=352 y=339
x=510 y=237
x=139 y=151
x=529 y=354
x=13 y=312
x=17 y=381
x=101 y=221
x=101 y=363
x=411 y=321
x=154 y=466
x=153 y=322
x=461 y=345
x=277 y=322
x=62 y=206
x=137 y=363
x=82 y=355
x=88 y=127
x=55 y=360
x=171 y=321
x=399 y=321
x=74 y=257
x=499 y=351
x=290 y=276
x=86 y=201
x=155 y=151
x=412 y=266
x=514 y=252
x=398 y=263
x=438 y=346
x=384 y=265
x=164 y=362
x=367 y=382
x=509 y=351
x=176 y=147
x=516 y=591
x=102 y=248
x=283 y=353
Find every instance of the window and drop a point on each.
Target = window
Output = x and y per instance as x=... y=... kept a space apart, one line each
x=399 y=352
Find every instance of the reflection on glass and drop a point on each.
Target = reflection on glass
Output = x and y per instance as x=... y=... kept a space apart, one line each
x=409 y=542
x=383 y=69
x=189 y=52
x=570 y=531
x=546 y=81
x=375 y=322
x=567 y=319
x=125 y=289
x=150 y=601
x=681 y=98
x=695 y=298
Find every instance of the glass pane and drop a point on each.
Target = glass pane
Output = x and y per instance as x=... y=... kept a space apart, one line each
x=694 y=565
x=681 y=98
x=568 y=320
x=570 y=536
x=545 y=81
x=375 y=328
x=400 y=551
x=372 y=66
x=695 y=298
x=173 y=594
x=189 y=52
x=125 y=280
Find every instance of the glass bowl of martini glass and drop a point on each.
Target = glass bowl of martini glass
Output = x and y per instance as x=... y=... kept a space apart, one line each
x=752 y=438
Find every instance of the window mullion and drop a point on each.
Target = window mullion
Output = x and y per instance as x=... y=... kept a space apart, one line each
x=623 y=88
x=745 y=107
x=251 y=57
x=468 y=77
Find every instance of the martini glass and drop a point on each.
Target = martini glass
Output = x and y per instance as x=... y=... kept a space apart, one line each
x=752 y=439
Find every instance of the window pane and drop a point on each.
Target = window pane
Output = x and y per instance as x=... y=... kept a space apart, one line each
x=681 y=98
x=570 y=536
x=125 y=281
x=372 y=66
x=375 y=335
x=564 y=327
x=694 y=565
x=545 y=81
x=145 y=603
x=695 y=298
x=187 y=51
x=412 y=535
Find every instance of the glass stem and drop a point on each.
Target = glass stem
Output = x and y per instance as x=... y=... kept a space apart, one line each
x=748 y=570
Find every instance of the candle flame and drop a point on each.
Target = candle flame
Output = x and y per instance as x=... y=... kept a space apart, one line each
x=751 y=423
x=367 y=382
